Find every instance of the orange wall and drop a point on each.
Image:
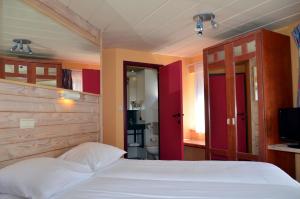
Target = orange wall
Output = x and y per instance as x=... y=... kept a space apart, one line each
x=79 y=65
x=109 y=98
x=287 y=30
x=113 y=120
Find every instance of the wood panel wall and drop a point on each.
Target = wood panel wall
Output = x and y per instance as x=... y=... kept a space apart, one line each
x=59 y=124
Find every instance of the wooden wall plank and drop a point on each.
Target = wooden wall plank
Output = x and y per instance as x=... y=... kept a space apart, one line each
x=17 y=135
x=32 y=104
x=11 y=119
x=9 y=88
x=59 y=124
x=18 y=150
x=52 y=154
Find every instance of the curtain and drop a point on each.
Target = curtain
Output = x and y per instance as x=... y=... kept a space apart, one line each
x=296 y=34
x=199 y=101
x=67 y=79
x=77 y=80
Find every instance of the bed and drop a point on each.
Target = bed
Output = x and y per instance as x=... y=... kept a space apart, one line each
x=177 y=179
x=183 y=179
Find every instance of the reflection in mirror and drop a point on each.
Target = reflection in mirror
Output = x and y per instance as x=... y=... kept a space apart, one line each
x=19 y=79
x=247 y=107
x=46 y=82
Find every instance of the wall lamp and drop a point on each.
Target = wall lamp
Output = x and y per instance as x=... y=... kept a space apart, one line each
x=71 y=95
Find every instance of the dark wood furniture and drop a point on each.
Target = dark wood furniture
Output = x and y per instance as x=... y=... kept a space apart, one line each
x=35 y=71
x=138 y=129
x=240 y=125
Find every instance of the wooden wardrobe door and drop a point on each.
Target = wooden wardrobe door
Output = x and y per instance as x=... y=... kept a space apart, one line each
x=219 y=94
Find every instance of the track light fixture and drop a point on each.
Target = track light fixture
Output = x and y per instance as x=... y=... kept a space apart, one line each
x=201 y=18
x=18 y=46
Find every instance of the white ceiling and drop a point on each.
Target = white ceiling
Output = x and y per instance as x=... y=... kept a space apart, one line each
x=158 y=26
x=166 y=26
x=50 y=39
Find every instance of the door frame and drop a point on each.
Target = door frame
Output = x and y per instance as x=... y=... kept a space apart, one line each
x=140 y=65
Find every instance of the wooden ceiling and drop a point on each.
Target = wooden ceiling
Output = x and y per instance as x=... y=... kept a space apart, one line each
x=157 y=26
x=166 y=26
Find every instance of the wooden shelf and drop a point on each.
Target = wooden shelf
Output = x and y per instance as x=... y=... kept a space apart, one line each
x=283 y=147
x=194 y=143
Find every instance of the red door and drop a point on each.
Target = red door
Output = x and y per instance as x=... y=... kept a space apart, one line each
x=171 y=114
x=218 y=114
x=91 y=81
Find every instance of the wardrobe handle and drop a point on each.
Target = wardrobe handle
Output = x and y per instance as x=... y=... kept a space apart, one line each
x=228 y=121
x=233 y=121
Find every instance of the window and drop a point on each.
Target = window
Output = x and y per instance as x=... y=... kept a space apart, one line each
x=77 y=80
x=199 y=99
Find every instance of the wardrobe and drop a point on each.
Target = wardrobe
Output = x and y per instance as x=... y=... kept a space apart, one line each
x=46 y=72
x=247 y=80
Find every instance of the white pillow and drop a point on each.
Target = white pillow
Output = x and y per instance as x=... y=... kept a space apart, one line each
x=40 y=178
x=96 y=155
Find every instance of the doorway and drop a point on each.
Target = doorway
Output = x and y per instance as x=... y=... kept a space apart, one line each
x=153 y=111
x=141 y=105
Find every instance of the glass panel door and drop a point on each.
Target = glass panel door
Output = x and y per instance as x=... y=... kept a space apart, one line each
x=9 y=68
x=246 y=109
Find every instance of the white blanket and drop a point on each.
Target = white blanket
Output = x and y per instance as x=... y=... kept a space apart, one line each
x=186 y=180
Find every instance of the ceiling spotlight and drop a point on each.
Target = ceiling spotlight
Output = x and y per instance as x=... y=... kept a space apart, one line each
x=199 y=26
x=18 y=46
x=21 y=48
x=14 y=47
x=29 y=49
x=213 y=23
x=201 y=18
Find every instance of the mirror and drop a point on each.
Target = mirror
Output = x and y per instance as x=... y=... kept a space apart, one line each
x=247 y=106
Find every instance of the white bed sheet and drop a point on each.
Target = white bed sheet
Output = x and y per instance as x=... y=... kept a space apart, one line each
x=6 y=196
x=186 y=180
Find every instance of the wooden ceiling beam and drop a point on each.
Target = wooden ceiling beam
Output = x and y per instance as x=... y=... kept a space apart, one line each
x=67 y=17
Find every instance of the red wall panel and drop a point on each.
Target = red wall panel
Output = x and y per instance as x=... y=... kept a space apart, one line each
x=91 y=81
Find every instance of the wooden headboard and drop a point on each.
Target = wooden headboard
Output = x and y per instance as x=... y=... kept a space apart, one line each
x=59 y=124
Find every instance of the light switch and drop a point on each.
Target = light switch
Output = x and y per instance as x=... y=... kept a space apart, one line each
x=27 y=123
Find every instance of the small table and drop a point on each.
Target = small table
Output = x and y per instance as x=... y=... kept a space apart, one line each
x=285 y=148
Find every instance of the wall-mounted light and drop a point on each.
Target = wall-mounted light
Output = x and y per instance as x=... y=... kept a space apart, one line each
x=71 y=95
x=201 y=18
